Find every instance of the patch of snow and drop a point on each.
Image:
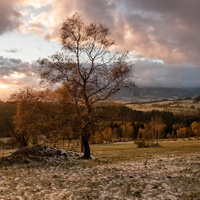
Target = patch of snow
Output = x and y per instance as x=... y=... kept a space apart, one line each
x=174 y=177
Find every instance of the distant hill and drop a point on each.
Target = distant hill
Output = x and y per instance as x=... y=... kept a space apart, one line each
x=153 y=93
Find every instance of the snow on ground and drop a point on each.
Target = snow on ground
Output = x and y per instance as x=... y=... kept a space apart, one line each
x=33 y=155
x=172 y=177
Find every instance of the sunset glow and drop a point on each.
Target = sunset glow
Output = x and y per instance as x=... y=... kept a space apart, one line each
x=161 y=36
x=3 y=86
x=16 y=75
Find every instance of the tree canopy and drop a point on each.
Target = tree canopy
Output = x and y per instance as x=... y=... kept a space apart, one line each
x=89 y=71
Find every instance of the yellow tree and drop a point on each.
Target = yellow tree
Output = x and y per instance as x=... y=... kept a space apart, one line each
x=37 y=118
x=175 y=127
x=144 y=136
x=157 y=127
x=107 y=134
x=182 y=132
x=127 y=130
x=24 y=117
x=90 y=71
x=196 y=128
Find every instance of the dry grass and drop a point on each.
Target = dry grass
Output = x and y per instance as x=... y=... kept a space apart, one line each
x=128 y=151
x=123 y=172
x=187 y=107
x=5 y=152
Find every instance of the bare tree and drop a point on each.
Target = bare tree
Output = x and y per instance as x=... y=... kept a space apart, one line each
x=89 y=70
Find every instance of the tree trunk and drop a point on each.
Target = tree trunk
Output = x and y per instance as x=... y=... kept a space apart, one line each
x=86 y=147
x=81 y=142
x=22 y=142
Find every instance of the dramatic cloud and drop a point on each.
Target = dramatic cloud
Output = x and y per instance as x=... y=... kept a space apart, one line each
x=9 y=16
x=155 y=74
x=12 y=12
x=35 y=4
x=48 y=24
x=167 y=30
x=15 y=73
x=170 y=29
x=11 y=65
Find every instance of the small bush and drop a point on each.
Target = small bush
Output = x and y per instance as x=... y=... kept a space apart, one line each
x=142 y=143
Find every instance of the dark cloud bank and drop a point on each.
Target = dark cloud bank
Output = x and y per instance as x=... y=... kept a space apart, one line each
x=9 y=16
x=154 y=74
x=10 y=68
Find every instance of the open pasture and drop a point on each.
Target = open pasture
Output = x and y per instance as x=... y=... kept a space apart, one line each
x=120 y=171
x=185 y=107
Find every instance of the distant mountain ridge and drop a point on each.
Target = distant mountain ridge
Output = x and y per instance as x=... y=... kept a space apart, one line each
x=156 y=93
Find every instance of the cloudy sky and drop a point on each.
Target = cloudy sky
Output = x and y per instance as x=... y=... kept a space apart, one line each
x=163 y=37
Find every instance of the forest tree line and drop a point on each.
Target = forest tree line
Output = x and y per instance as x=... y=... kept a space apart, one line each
x=29 y=120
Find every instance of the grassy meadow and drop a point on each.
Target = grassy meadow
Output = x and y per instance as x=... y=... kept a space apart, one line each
x=128 y=151
x=183 y=107
x=120 y=171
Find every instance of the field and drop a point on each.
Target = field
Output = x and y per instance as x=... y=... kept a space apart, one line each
x=188 y=107
x=120 y=171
